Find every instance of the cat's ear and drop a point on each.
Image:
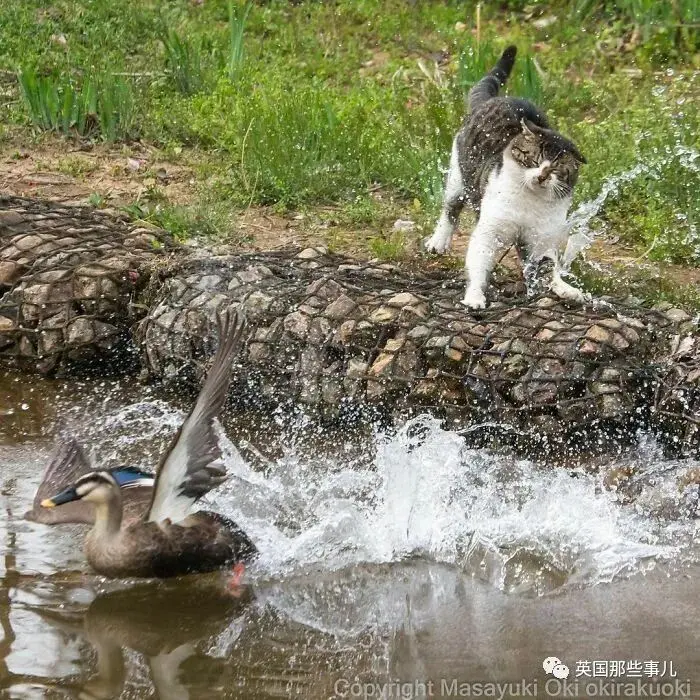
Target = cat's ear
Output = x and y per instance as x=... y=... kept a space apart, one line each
x=527 y=127
x=580 y=157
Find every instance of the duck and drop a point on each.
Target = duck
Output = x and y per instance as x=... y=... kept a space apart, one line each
x=171 y=538
x=68 y=463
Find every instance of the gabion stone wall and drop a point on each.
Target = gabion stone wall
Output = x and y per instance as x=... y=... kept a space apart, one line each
x=677 y=404
x=327 y=331
x=67 y=280
x=79 y=286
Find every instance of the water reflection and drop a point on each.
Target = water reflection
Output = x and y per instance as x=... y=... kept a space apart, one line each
x=162 y=622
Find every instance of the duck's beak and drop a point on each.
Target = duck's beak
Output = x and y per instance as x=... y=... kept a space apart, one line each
x=66 y=496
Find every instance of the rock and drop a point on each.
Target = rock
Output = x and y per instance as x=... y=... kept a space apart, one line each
x=404 y=225
x=80 y=332
x=10 y=218
x=678 y=315
x=344 y=333
x=382 y=364
x=393 y=344
x=384 y=314
x=297 y=324
x=10 y=272
x=357 y=368
x=598 y=334
x=419 y=332
x=6 y=324
x=403 y=299
x=453 y=354
x=50 y=342
x=342 y=307
x=309 y=254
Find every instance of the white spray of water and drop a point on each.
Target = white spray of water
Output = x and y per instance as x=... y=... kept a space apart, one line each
x=521 y=526
x=579 y=221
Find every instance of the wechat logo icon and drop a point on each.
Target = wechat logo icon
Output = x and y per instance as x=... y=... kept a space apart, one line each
x=554 y=667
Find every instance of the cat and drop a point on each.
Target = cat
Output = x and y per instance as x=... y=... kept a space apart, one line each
x=518 y=174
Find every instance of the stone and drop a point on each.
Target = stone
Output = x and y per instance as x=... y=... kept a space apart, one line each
x=394 y=344
x=344 y=333
x=309 y=254
x=453 y=354
x=28 y=242
x=58 y=320
x=403 y=299
x=50 y=342
x=80 y=332
x=438 y=341
x=8 y=217
x=384 y=314
x=610 y=374
x=418 y=332
x=297 y=324
x=86 y=287
x=6 y=324
x=611 y=323
x=619 y=342
x=630 y=334
x=459 y=343
x=26 y=349
x=326 y=288
x=610 y=405
x=10 y=272
x=342 y=307
x=357 y=368
x=545 y=334
x=678 y=315
x=382 y=365
x=319 y=332
x=331 y=391
x=598 y=334
x=586 y=347
x=208 y=282
x=258 y=302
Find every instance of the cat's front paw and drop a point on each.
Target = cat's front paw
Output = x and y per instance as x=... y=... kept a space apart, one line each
x=568 y=293
x=474 y=299
x=437 y=243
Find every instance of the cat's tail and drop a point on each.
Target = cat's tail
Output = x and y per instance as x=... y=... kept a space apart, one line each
x=488 y=86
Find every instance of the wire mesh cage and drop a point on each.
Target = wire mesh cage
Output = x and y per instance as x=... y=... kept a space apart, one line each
x=68 y=276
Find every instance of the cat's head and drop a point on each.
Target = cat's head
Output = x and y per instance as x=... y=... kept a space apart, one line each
x=549 y=160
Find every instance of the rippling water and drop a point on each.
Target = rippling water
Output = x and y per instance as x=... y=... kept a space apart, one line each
x=385 y=556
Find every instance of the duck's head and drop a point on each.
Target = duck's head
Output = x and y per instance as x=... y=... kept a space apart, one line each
x=100 y=486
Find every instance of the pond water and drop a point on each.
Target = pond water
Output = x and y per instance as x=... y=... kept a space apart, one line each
x=402 y=564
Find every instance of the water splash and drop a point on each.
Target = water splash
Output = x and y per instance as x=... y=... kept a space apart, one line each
x=423 y=494
x=579 y=221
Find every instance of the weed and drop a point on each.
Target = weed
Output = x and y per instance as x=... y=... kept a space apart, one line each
x=183 y=61
x=237 y=18
x=97 y=200
x=98 y=107
x=389 y=247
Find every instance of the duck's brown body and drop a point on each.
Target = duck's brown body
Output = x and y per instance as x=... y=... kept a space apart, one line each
x=203 y=542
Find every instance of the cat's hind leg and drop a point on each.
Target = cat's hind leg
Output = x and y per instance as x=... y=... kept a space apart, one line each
x=488 y=242
x=452 y=205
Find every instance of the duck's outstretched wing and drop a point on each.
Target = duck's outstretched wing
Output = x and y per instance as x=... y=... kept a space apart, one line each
x=68 y=463
x=192 y=465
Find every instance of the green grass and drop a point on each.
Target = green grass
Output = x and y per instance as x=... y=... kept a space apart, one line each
x=301 y=105
x=101 y=106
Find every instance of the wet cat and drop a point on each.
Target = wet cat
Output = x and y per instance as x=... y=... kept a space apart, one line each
x=518 y=174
